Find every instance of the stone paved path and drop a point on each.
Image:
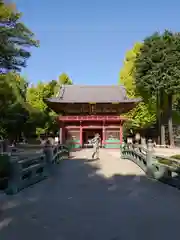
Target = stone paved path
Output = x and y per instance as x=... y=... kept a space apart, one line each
x=108 y=199
x=167 y=151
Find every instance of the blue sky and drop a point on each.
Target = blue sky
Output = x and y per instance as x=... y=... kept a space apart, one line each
x=88 y=39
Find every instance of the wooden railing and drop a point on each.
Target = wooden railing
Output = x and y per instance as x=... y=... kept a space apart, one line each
x=30 y=166
x=162 y=168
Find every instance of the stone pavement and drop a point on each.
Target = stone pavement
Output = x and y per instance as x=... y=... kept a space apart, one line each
x=167 y=151
x=108 y=199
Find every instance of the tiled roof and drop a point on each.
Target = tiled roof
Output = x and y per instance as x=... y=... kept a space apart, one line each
x=92 y=93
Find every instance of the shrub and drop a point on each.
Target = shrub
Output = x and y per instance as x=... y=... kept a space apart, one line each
x=176 y=157
x=165 y=161
x=169 y=162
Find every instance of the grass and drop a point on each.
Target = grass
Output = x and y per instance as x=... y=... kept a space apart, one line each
x=169 y=162
x=176 y=157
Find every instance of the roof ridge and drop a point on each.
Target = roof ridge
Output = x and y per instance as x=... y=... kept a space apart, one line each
x=97 y=93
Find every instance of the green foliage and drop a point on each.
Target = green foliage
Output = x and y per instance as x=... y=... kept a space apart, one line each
x=158 y=64
x=126 y=73
x=143 y=115
x=42 y=118
x=176 y=117
x=23 y=108
x=12 y=94
x=63 y=79
x=157 y=75
x=170 y=163
x=15 y=39
x=35 y=96
x=176 y=157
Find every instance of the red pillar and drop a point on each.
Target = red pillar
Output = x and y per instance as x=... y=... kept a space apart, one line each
x=121 y=132
x=81 y=138
x=60 y=132
x=63 y=134
x=103 y=135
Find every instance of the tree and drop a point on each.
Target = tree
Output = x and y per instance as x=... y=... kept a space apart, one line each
x=15 y=40
x=143 y=115
x=42 y=118
x=157 y=74
x=63 y=79
x=13 y=114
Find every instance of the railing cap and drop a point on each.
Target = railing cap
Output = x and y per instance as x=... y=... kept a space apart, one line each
x=150 y=144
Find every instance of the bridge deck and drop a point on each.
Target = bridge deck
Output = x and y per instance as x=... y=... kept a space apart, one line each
x=108 y=199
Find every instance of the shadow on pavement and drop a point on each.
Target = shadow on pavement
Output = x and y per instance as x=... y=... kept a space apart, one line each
x=82 y=203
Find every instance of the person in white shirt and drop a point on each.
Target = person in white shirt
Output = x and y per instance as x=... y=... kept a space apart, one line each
x=56 y=139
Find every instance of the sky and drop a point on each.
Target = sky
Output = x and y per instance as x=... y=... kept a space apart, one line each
x=88 y=39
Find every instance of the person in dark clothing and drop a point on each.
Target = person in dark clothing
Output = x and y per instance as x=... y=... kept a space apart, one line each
x=96 y=145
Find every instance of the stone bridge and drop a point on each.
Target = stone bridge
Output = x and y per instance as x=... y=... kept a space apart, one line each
x=108 y=199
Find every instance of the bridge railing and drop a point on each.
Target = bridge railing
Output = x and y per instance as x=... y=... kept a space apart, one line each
x=30 y=167
x=162 y=168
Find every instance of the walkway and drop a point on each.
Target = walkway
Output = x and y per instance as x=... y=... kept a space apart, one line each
x=108 y=199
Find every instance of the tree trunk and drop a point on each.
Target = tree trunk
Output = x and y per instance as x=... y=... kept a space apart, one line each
x=162 y=134
x=170 y=125
x=162 y=120
x=158 y=117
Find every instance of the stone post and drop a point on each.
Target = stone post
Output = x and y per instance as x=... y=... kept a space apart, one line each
x=48 y=151
x=136 y=146
x=149 y=158
x=143 y=142
x=137 y=138
x=5 y=147
x=129 y=143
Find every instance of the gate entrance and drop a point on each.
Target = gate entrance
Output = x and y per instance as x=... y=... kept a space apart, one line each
x=88 y=135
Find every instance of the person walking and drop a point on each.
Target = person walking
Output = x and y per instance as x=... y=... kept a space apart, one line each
x=56 y=140
x=96 y=145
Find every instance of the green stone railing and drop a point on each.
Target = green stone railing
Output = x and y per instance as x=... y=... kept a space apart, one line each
x=30 y=167
x=162 y=168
